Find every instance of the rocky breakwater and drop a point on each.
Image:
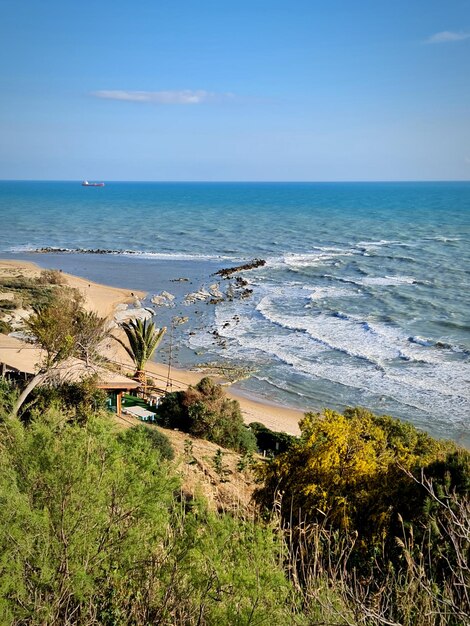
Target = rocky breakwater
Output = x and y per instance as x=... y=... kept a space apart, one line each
x=251 y=265
x=54 y=250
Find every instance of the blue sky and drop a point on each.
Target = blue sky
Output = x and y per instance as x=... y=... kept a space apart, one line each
x=235 y=90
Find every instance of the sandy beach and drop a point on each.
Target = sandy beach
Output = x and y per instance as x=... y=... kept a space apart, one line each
x=105 y=300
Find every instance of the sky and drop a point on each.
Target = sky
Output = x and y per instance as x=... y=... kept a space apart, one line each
x=268 y=90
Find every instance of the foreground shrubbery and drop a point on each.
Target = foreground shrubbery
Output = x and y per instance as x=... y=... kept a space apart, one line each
x=205 y=412
x=382 y=510
x=368 y=524
x=93 y=531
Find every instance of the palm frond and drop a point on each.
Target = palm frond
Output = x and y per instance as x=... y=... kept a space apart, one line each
x=144 y=338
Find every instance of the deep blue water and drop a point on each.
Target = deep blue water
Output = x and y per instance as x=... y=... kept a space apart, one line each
x=364 y=298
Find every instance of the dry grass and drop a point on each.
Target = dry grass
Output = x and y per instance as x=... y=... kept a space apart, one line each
x=231 y=491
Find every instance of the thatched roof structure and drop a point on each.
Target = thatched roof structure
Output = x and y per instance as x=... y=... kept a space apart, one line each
x=24 y=358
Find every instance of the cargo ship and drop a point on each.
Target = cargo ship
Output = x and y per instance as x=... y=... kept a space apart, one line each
x=85 y=183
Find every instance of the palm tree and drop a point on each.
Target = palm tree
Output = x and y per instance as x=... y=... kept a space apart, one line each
x=143 y=338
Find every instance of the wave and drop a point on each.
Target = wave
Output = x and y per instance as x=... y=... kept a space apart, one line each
x=443 y=238
x=436 y=388
x=378 y=244
x=361 y=338
x=320 y=293
x=337 y=331
x=318 y=256
x=378 y=281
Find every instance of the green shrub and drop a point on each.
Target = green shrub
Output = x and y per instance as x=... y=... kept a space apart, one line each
x=205 y=412
x=151 y=436
x=79 y=400
x=93 y=531
x=5 y=327
x=270 y=440
x=51 y=277
x=8 y=395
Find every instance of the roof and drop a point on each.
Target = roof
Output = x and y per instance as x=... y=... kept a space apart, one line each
x=20 y=356
x=75 y=370
x=139 y=412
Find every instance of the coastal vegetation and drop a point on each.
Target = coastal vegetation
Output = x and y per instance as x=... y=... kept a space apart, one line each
x=93 y=531
x=361 y=521
x=204 y=411
x=371 y=498
x=62 y=329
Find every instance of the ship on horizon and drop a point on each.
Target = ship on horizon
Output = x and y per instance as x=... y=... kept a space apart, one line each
x=85 y=183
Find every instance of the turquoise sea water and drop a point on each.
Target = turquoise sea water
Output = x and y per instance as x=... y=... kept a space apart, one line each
x=364 y=298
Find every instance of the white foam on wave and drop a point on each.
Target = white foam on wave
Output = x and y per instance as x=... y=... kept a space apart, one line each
x=388 y=280
x=378 y=244
x=443 y=238
x=321 y=293
x=437 y=387
x=181 y=256
x=376 y=281
x=371 y=358
x=319 y=256
x=339 y=332
x=316 y=258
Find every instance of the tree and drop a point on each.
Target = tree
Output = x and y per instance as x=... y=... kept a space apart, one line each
x=62 y=329
x=143 y=338
x=349 y=469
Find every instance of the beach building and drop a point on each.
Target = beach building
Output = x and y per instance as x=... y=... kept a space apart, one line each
x=20 y=361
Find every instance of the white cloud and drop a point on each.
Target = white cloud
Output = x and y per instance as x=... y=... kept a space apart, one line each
x=447 y=36
x=185 y=96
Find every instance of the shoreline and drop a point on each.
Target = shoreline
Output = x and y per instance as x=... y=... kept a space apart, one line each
x=105 y=299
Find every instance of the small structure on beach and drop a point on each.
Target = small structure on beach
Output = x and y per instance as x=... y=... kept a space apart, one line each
x=19 y=361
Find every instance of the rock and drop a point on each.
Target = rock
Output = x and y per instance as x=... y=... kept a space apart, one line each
x=133 y=314
x=201 y=295
x=16 y=318
x=163 y=299
x=226 y=272
x=214 y=290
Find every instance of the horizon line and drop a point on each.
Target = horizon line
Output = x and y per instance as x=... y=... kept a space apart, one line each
x=240 y=181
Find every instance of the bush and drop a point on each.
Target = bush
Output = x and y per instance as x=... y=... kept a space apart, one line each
x=5 y=327
x=51 y=277
x=93 y=531
x=355 y=470
x=8 y=395
x=79 y=400
x=205 y=412
x=144 y=435
x=271 y=441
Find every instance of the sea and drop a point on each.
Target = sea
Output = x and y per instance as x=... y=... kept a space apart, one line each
x=363 y=299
